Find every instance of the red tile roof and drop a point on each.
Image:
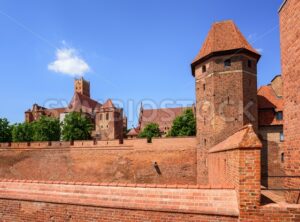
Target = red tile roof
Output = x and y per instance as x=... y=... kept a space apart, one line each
x=268 y=104
x=224 y=36
x=133 y=132
x=108 y=104
x=55 y=112
x=243 y=138
x=82 y=102
x=163 y=117
x=267 y=99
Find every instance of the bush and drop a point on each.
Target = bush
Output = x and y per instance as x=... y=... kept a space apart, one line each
x=46 y=129
x=76 y=126
x=184 y=125
x=22 y=132
x=150 y=131
x=5 y=131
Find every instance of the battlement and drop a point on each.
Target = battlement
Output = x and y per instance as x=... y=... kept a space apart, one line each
x=132 y=143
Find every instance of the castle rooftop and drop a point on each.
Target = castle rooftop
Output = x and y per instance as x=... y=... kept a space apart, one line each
x=224 y=37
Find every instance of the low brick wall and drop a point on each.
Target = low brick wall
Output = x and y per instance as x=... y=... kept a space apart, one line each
x=236 y=162
x=105 y=161
x=40 y=201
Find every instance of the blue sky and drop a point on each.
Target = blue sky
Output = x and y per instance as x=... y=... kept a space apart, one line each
x=130 y=50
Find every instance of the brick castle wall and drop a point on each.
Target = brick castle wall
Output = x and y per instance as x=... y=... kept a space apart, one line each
x=236 y=162
x=272 y=164
x=290 y=54
x=226 y=101
x=40 y=212
x=107 y=161
x=122 y=199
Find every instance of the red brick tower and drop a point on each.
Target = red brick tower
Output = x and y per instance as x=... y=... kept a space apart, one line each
x=290 y=54
x=82 y=86
x=225 y=71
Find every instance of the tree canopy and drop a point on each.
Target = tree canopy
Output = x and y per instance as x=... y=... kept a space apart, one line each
x=184 y=125
x=22 y=132
x=150 y=131
x=5 y=131
x=46 y=129
x=76 y=126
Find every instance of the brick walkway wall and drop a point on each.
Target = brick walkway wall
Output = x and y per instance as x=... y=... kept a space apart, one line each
x=40 y=201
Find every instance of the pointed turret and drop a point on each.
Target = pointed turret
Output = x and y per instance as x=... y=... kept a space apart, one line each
x=224 y=38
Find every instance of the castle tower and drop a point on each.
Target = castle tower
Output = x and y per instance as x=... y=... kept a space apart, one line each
x=225 y=72
x=82 y=86
x=290 y=54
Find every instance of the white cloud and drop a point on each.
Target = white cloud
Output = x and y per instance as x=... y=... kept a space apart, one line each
x=68 y=62
x=260 y=50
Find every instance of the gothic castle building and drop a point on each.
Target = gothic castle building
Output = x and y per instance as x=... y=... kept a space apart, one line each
x=109 y=121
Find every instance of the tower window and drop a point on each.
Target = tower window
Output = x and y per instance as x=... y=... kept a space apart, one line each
x=279 y=115
x=249 y=63
x=282 y=158
x=107 y=116
x=227 y=63
x=203 y=68
x=281 y=137
x=203 y=87
x=101 y=116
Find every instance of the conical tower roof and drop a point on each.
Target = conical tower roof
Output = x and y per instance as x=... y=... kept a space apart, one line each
x=224 y=37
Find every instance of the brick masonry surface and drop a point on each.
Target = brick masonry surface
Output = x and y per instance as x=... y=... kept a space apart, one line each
x=131 y=162
x=236 y=162
x=221 y=94
x=290 y=54
x=68 y=201
x=272 y=162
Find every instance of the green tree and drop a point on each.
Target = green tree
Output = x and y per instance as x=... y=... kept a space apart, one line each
x=150 y=131
x=22 y=132
x=46 y=129
x=184 y=125
x=76 y=126
x=5 y=131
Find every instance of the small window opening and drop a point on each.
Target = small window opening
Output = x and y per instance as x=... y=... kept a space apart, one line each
x=107 y=116
x=227 y=62
x=281 y=137
x=203 y=68
x=279 y=115
x=204 y=142
x=204 y=87
x=282 y=157
x=249 y=64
